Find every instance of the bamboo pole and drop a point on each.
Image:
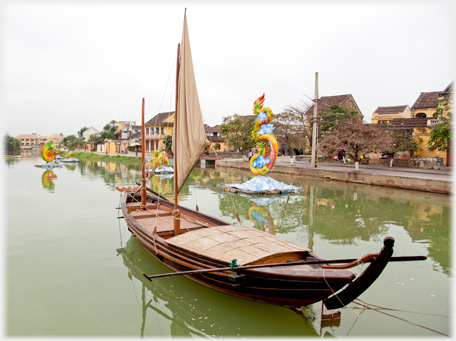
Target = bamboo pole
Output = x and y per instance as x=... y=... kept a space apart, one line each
x=322 y=261
x=176 y=212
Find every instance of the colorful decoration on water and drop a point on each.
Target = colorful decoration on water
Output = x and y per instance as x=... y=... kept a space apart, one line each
x=264 y=160
x=71 y=158
x=161 y=161
x=48 y=152
x=160 y=158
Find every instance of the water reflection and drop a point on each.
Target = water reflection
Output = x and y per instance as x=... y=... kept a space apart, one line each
x=340 y=213
x=191 y=309
x=261 y=217
x=47 y=179
x=71 y=167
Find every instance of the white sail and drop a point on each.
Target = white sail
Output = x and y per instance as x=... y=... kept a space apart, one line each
x=189 y=137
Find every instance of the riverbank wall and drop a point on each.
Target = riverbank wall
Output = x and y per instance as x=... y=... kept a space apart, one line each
x=418 y=181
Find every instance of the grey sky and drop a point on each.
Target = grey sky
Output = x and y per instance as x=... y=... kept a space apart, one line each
x=74 y=65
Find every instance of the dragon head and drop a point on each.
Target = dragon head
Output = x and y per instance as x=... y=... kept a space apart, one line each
x=258 y=105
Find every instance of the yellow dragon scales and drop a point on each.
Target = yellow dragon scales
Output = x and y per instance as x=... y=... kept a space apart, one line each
x=261 y=163
x=48 y=152
x=160 y=159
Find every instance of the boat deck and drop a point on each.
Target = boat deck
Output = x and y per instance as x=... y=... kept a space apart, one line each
x=245 y=244
x=161 y=218
x=222 y=242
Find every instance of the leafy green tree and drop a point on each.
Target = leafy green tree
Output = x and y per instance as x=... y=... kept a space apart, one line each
x=331 y=115
x=237 y=131
x=440 y=135
x=83 y=129
x=168 y=141
x=10 y=144
x=67 y=140
x=403 y=140
x=109 y=131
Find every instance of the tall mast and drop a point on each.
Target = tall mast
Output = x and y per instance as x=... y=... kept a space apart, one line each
x=176 y=211
x=314 y=158
x=143 y=157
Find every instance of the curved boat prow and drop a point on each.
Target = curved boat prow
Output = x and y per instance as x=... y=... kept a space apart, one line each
x=362 y=282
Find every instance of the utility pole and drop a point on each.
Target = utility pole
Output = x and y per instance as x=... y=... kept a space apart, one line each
x=314 y=159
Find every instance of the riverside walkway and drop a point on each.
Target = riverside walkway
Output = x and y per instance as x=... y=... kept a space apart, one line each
x=427 y=180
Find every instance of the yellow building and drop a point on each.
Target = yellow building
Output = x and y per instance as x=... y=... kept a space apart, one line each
x=29 y=140
x=57 y=138
x=388 y=114
x=214 y=136
x=156 y=130
x=423 y=119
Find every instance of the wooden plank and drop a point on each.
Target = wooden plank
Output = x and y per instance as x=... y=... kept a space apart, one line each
x=235 y=242
x=135 y=206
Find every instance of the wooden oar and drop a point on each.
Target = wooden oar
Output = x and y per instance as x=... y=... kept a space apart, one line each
x=322 y=261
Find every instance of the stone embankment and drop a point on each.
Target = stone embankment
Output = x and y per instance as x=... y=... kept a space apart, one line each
x=427 y=180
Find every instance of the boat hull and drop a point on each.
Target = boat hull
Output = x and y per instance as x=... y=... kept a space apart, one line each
x=286 y=288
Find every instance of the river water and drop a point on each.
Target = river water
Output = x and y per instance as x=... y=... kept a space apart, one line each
x=72 y=269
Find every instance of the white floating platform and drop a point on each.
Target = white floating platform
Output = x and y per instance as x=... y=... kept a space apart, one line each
x=261 y=185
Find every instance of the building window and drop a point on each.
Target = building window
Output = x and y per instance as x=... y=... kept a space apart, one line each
x=157 y=130
x=147 y=131
x=163 y=130
x=420 y=115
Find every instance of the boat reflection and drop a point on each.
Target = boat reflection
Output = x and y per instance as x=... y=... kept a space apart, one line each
x=194 y=310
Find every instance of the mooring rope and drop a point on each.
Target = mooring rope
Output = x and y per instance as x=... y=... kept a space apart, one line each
x=400 y=318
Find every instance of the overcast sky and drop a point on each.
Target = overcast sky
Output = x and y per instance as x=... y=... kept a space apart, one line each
x=67 y=66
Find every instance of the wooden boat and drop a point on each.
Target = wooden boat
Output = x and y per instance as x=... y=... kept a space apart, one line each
x=233 y=259
x=191 y=315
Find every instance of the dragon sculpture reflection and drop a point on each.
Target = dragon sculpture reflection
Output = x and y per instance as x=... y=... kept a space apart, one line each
x=261 y=163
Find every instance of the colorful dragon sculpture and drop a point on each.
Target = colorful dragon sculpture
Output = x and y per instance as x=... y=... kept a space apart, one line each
x=48 y=152
x=261 y=163
x=160 y=159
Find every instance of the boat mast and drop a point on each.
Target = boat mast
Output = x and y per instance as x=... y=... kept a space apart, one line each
x=143 y=157
x=176 y=212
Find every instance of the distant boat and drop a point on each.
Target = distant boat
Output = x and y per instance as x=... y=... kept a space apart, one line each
x=233 y=259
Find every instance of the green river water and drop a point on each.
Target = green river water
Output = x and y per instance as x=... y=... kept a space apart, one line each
x=72 y=269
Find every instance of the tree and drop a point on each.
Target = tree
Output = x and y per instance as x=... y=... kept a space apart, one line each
x=109 y=131
x=302 y=121
x=68 y=140
x=327 y=119
x=403 y=140
x=83 y=129
x=357 y=138
x=95 y=139
x=237 y=131
x=440 y=135
x=10 y=144
x=331 y=115
x=168 y=142
x=287 y=130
